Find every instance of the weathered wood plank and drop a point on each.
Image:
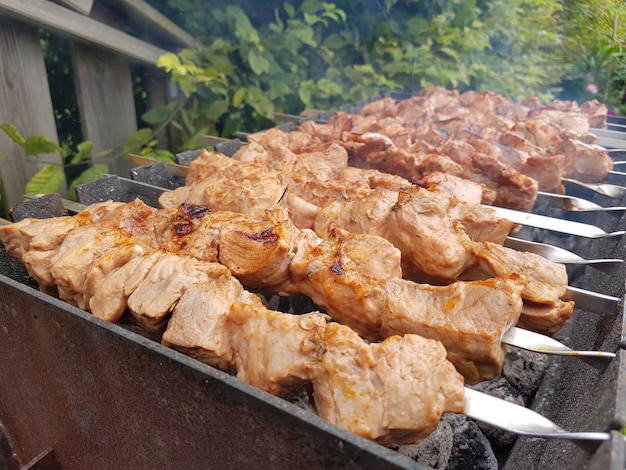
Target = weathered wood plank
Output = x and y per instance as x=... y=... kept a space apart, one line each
x=82 y=6
x=105 y=95
x=48 y=15
x=153 y=20
x=24 y=102
x=155 y=82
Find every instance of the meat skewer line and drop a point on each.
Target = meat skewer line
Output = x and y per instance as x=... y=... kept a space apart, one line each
x=524 y=422
x=514 y=336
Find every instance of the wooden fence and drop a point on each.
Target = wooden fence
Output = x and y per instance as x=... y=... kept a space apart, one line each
x=102 y=56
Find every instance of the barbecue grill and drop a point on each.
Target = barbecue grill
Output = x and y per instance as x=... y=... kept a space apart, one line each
x=78 y=392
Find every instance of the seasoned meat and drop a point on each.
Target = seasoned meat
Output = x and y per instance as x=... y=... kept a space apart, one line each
x=198 y=324
x=110 y=297
x=78 y=253
x=390 y=392
x=428 y=239
x=357 y=280
x=155 y=296
x=221 y=183
x=276 y=352
x=584 y=162
x=346 y=274
x=469 y=318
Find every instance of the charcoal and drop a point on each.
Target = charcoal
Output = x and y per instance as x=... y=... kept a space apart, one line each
x=104 y=189
x=50 y=205
x=156 y=174
x=470 y=449
x=500 y=388
x=186 y=157
x=15 y=270
x=229 y=147
x=434 y=451
x=524 y=370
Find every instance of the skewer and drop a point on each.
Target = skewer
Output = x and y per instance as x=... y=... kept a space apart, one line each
x=536 y=342
x=555 y=225
x=591 y=301
x=609 y=190
x=586 y=300
x=575 y=204
x=524 y=421
x=518 y=419
x=559 y=255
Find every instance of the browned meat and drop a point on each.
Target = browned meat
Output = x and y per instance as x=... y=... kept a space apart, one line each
x=545 y=318
x=434 y=247
x=346 y=274
x=155 y=296
x=584 y=162
x=469 y=318
x=546 y=283
x=277 y=352
x=198 y=324
x=391 y=392
x=417 y=136
x=357 y=280
x=77 y=255
x=110 y=297
x=259 y=253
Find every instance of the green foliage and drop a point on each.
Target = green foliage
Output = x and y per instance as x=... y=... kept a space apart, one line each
x=50 y=179
x=285 y=57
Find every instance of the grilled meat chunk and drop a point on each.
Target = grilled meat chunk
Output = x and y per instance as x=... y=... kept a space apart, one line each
x=346 y=274
x=390 y=392
x=110 y=297
x=356 y=279
x=198 y=324
x=469 y=318
x=276 y=352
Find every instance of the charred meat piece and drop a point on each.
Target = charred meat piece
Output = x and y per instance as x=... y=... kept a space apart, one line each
x=346 y=274
x=356 y=279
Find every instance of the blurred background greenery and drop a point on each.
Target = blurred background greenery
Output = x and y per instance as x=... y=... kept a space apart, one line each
x=260 y=58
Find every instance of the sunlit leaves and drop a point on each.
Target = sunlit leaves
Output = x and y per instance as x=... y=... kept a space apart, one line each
x=48 y=180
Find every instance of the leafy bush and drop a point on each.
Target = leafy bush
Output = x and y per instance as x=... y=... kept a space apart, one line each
x=313 y=54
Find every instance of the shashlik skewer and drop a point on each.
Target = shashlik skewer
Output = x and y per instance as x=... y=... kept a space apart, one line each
x=590 y=301
x=553 y=253
x=434 y=247
x=298 y=352
x=514 y=336
x=349 y=295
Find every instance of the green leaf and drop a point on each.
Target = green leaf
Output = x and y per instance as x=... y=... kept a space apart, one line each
x=171 y=63
x=244 y=30
x=93 y=173
x=156 y=116
x=239 y=96
x=36 y=144
x=449 y=52
x=160 y=154
x=289 y=9
x=258 y=63
x=13 y=134
x=260 y=102
x=83 y=152
x=48 y=180
x=137 y=140
x=217 y=109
